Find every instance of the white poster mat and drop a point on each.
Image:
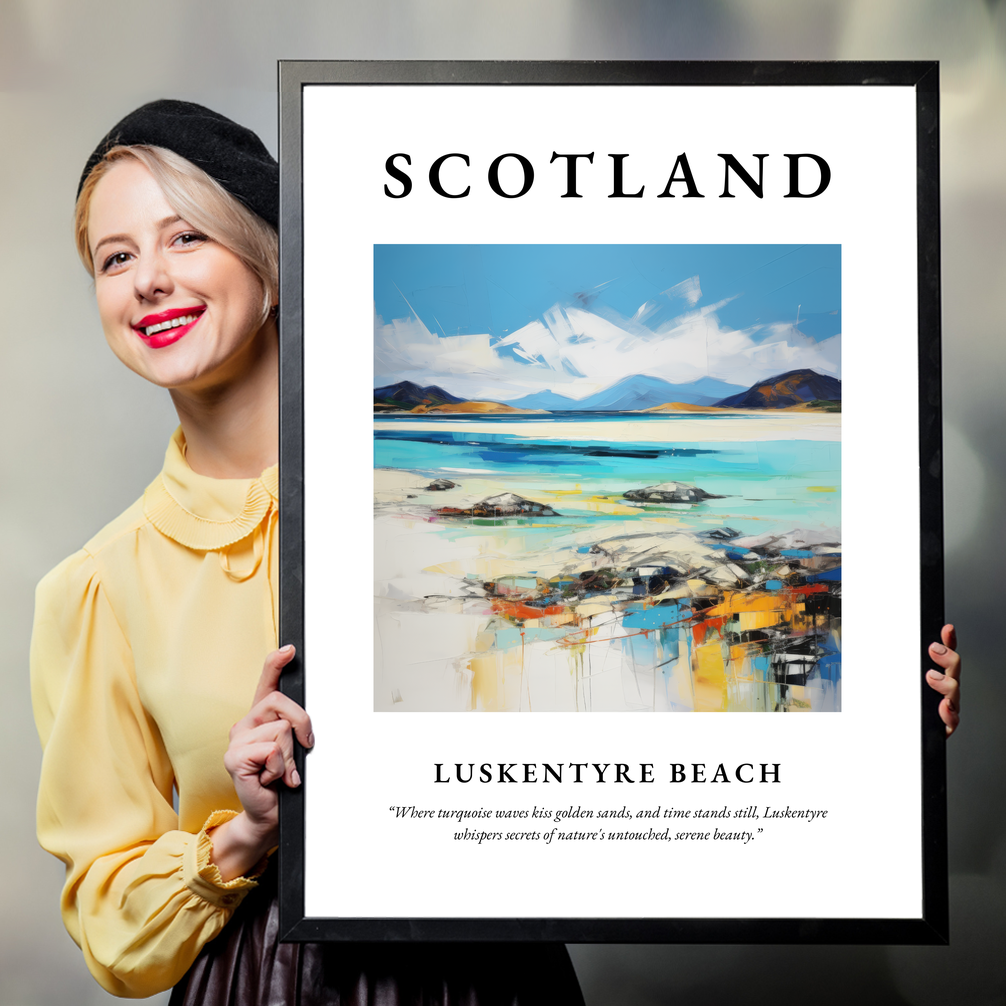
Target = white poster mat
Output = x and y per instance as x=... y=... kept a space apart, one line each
x=861 y=765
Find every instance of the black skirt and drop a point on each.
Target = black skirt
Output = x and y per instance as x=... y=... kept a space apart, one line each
x=246 y=965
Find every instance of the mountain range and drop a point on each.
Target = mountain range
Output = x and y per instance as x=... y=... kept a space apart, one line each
x=795 y=387
x=406 y=395
x=637 y=393
x=631 y=394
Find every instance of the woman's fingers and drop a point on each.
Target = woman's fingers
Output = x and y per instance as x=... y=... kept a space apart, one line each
x=949 y=636
x=258 y=760
x=946 y=681
x=274 y=766
x=949 y=710
x=261 y=749
x=949 y=661
x=947 y=658
x=944 y=684
x=950 y=716
x=278 y=735
x=277 y=706
x=270 y=703
x=271 y=671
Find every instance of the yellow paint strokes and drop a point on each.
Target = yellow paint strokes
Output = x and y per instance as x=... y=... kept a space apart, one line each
x=751 y=620
x=688 y=407
x=709 y=678
x=446 y=569
x=570 y=505
x=735 y=603
x=568 y=617
x=489 y=567
x=740 y=654
x=496 y=677
x=682 y=674
x=485 y=686
x=600 y=605
x=821 y=489
x=599 y=505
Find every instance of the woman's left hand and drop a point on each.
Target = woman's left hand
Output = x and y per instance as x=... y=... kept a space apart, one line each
x=260 y=754
x=948 y=681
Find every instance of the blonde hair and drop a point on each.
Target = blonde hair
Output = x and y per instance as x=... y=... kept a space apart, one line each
x=199 y=200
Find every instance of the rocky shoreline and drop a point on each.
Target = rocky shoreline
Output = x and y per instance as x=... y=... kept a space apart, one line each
x=724 y=619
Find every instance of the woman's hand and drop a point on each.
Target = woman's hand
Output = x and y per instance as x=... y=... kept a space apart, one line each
x=260 y=753
x=947 y=682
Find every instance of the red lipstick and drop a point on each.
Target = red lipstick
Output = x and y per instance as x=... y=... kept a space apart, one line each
x=166 y=327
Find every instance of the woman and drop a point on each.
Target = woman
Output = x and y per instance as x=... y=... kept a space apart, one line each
x=148 y=643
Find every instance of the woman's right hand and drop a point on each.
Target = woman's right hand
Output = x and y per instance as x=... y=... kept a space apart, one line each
x=948 y=681
x=259 y=754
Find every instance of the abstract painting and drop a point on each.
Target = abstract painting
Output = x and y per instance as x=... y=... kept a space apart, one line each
x=607 y=478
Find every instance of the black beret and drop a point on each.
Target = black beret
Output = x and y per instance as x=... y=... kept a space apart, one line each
x=231 y=154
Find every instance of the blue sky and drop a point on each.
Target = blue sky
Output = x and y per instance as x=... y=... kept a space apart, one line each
x=498 y=289
x=503 y=320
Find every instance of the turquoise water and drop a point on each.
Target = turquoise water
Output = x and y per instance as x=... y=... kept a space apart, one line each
x=766 y=485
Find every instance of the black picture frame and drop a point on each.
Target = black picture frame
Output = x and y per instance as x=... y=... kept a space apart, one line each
x=931 y=927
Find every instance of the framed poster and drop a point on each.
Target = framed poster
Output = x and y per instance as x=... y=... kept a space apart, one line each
x=620 y=385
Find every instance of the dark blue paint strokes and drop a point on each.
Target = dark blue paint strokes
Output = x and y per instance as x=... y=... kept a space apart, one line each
x=421 y=450
x=829 y=576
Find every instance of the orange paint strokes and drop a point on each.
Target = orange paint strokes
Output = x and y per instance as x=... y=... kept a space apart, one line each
x=698 y=633
x=705 y=626
x=429 y=406
x=755 y=610
x=717 y=623
x=522 y=612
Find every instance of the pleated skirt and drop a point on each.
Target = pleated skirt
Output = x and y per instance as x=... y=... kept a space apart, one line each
x=246 y=965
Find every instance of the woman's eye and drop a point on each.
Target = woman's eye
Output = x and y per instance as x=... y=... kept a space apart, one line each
x=190 y=238
x=114 y=261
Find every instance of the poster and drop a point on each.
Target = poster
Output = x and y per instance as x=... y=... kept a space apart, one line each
x=609 y=407
x=550 y=552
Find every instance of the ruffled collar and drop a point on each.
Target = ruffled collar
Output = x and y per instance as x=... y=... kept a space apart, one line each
x=203 y=513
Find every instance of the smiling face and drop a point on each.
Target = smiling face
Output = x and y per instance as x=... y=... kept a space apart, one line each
x=177 y=307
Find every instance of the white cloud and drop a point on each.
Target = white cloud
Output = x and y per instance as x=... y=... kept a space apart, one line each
x=688 y=290
x=577 y=352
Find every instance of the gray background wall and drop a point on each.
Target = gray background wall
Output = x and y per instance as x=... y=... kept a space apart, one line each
x=81 y=436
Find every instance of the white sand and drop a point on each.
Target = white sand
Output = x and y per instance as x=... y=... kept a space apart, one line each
x=684 y=427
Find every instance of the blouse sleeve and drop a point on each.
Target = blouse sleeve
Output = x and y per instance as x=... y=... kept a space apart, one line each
x=141 y=898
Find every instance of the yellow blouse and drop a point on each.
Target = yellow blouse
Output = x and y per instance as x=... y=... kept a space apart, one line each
x=147 y=647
